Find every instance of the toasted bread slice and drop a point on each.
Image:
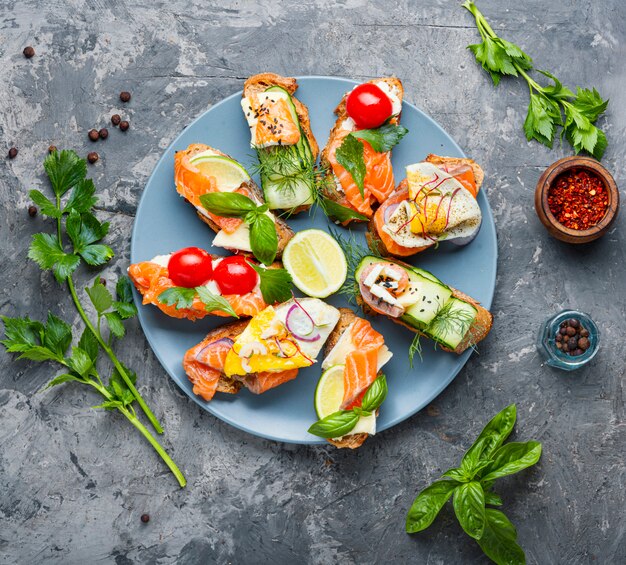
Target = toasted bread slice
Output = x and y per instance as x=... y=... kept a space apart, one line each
x=346 y=318
x=374 y=241
x=478 y=331
x=329 y=188
x=260 y=83
x=284 y=232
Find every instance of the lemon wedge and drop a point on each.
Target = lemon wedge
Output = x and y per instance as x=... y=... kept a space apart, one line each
x=228 y=174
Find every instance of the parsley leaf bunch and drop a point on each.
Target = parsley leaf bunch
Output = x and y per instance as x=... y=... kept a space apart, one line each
x=77 y=240
x=549 y=107
x=471 y=487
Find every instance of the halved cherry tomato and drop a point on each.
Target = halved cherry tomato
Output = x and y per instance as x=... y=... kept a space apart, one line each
x=234 y=275
x=368 y=106
x=190 y=267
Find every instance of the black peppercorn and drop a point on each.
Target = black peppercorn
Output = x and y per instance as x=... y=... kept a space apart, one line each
x=103 y=281
x=92 y=157
x=52 y=149
x=13 y=153
x=32 y=211
x=570 y=331
x=28 y=52
x=563 y=331
x=116 y=119
x=145 y=518
x=93 y=135
x=572 y=343
x=124 y=96
x=124 y=125
x=103 y=133
x=574 y=322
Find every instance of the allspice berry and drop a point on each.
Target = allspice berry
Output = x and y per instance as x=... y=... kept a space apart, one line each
x=28 y=52
x=92 y=157
x=52 y=149
x=116 y=119
x=13 y=153
x=124 y=96
x=103 y=133
x=124 y=125
x=93 y=135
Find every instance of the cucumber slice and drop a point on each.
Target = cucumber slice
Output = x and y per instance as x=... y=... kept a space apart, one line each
x=452 y=323
x=430 y=297
x=289 y=184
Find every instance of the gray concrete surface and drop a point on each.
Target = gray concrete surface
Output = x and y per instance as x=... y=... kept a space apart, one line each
x=74 y=481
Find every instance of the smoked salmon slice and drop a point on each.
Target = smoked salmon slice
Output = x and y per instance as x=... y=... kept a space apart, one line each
x=361 y=363
x=203 y=364
x=191 y=183
x=264 y=381
x=378 y=183
x=151 y=279
x=274 y=122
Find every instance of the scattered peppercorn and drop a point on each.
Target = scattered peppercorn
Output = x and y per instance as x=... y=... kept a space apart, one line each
x=578 y=199
x=124 y=125
x=116 y=119
x=93 y=135
x=103 y=281
x=32 y=211
x=145 y=518
x=13 y=153
x=103 y=133
x=92 y=157
x=28 y=52
x=52 y=149
x=572 y=338
x=124 y=96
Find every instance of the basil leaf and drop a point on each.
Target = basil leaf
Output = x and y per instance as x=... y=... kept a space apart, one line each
x=275 y=283
x=350 y=156
x=384 y=138
x=427 y=505
x=493 y=499
x=512 y=458
x=457 y=474
x=227 y=204
x=375 y=394
x=263 y=239
x=179 y=296
x=360 y=412
x=213 y=302
x=336 y=424
x=339 y=212
x=494 y=433
x=469 y=507
x=499 y=539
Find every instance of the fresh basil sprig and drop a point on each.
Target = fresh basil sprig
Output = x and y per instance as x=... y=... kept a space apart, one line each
x=341 y=422
x=350 y=154
x=340 y=213
x=263 y=236
x=182 y=297
x=275 y=284
x=470 y=486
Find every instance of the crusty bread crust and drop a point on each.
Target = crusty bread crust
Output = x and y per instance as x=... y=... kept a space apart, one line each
x=329 y=189
x=478 y=331
x=260 y=83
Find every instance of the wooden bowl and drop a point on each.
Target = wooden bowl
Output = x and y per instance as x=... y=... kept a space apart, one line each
x=554 y=227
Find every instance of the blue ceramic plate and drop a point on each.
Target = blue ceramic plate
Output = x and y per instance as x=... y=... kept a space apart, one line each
x=165 y=223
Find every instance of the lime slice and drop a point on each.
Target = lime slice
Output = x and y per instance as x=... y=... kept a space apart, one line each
x=329 y=391
x=316 y=263
x=228 y=173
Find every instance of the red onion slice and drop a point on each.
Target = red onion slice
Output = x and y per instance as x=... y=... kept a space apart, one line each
x=389 y=211
x=202 y=355
x=292 y=322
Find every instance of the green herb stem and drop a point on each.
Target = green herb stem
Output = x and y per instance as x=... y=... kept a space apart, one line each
x=151 y=417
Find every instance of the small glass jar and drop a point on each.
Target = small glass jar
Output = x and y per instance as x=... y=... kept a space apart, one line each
x=546 y=341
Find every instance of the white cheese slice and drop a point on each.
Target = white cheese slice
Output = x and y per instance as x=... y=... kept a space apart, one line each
x=337 y=355
x=393 y=95
x=371 y=278
x=161 y=260
x=239 y=239
x=383 y=294
x=348 y=125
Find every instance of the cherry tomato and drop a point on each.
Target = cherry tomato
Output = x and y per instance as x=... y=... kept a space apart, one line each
x=235 y=276
x=190 y=267
x=368 y=106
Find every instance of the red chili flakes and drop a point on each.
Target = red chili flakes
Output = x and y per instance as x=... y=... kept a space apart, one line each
x=578 y=199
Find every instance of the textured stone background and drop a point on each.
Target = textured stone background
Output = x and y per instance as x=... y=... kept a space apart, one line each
x=73 y=481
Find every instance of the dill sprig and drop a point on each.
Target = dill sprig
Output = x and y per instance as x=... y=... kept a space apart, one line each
x=284 y=168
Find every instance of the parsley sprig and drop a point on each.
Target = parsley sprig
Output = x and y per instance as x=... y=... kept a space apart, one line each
x=77 y=240
x=550 y=107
